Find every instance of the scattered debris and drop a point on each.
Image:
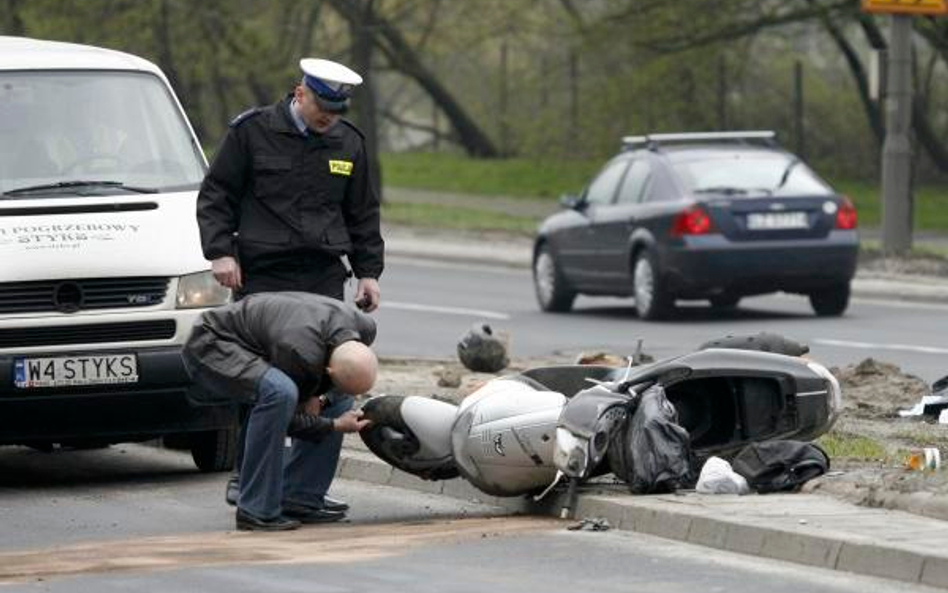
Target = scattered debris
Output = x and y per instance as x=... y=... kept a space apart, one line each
x=718 y=477
x=483 y=350
x=591 y=524
x=600 y=358
x=924 y=459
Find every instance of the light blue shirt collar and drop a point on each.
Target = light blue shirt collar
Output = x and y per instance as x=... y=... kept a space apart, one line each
x=298 y=119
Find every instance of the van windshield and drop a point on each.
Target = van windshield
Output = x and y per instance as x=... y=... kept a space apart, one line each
x=64 y=128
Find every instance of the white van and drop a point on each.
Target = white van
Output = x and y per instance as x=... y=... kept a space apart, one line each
x=101 y=271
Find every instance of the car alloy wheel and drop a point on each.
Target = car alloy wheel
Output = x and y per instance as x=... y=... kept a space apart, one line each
x=651 y=300
x=551 y=290
x=644 y=284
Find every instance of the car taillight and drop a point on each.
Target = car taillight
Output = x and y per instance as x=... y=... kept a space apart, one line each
x=693 y=221
x=846 y=215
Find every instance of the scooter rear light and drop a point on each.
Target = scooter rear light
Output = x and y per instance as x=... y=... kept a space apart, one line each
x=692 y=221
x=846 y=215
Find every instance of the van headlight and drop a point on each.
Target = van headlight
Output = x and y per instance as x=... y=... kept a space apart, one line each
x=196 y=291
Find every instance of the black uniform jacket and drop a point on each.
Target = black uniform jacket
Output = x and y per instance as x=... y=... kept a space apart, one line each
x=285 y=193
x=231 y=347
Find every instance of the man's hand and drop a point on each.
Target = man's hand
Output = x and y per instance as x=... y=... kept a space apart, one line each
x=351 y=421
x=368 y=294
x=226 y=270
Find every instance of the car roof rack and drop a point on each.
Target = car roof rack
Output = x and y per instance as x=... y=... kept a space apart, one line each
x=654 y=141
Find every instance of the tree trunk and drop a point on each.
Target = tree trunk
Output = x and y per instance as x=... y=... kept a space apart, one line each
x=12 y=23
x=402 y=56
x=366 y=112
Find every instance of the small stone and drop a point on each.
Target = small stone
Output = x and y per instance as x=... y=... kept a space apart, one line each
x=448 y=377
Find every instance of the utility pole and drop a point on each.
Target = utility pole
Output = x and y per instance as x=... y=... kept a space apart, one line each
x=897 y=148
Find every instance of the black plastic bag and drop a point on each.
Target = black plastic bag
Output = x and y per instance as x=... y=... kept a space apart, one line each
x=653 y=454
x=780 y=466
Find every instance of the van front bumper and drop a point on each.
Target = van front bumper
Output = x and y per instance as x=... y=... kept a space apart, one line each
x=154 y=406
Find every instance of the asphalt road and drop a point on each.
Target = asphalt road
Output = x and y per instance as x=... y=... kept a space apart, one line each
x=427 y=306
x=133 y=518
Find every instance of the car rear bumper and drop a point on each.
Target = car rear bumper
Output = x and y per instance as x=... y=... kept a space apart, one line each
x=708 y=265
x=154 y=406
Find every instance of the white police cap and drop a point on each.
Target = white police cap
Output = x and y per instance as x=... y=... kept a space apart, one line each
x=331 y=83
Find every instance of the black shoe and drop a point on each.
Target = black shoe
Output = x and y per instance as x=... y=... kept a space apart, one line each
x=233 y=490
x=332 y=504
x=247 y=522
x=310 y=514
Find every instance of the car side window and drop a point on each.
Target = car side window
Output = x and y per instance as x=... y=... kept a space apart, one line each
x=636 y=184
x=603 y=188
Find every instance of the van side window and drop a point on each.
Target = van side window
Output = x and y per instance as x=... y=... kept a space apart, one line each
x=637 y=182
x=602 y=189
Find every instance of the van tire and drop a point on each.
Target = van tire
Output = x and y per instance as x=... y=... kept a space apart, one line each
x=214 y=450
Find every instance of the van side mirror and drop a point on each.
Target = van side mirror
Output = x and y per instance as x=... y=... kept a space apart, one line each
x=571 y=201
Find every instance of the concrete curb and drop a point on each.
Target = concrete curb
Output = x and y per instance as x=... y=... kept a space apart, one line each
x=807 y=529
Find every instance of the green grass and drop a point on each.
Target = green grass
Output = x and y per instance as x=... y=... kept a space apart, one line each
x=931 y=204
x=528 y=178
x=850 y=446
x=449 y=217
x=500 y=177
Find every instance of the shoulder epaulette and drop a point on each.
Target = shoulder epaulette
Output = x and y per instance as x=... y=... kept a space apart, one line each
x=353 y=126
x=245 y=116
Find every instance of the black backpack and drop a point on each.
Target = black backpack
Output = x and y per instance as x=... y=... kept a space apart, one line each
x=780 y=466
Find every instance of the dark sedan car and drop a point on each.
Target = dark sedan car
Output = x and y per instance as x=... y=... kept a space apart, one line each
x=715 y=216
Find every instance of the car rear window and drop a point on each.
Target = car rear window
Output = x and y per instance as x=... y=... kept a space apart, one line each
x=750 y=173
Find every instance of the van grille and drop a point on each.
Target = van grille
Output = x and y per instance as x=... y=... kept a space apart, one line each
x=95 y=333
x=70 y=296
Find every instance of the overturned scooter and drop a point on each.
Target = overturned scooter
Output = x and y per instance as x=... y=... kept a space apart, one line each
x=521 y=433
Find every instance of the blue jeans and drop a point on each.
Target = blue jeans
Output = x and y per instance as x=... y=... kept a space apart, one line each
x=310 y=467
x=267 y=475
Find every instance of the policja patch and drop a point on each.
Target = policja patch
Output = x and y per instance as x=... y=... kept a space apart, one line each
x=340 y=168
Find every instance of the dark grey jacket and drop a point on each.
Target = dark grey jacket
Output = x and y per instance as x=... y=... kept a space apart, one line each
x=232 y=346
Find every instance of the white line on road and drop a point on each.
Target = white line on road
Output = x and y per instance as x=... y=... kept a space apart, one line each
x=445 y=310
x=874 y=346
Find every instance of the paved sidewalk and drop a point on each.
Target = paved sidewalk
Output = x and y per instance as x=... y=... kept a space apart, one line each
x=801 y=528
x=510 y=250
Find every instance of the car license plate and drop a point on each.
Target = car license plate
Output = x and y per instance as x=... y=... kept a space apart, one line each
x=67 y=371
x=762 y=221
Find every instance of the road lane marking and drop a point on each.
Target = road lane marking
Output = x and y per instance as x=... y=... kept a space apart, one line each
x=875 y=346
x=444 y=310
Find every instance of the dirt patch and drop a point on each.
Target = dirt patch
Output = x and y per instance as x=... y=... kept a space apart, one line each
x=323 y=544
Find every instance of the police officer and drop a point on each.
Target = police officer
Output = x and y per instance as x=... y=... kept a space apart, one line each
x=287 y=194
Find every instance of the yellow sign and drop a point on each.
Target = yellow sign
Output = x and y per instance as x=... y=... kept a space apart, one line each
x=906 y=6
x=340 y=168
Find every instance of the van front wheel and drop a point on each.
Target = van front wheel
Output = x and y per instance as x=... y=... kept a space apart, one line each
x=214 y=450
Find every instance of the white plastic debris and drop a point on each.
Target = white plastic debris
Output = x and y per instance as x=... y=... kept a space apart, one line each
x=717 y=477
x=927 y=400
x=943 y=417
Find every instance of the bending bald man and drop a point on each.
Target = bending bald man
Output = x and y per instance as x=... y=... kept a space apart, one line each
x=297 y=358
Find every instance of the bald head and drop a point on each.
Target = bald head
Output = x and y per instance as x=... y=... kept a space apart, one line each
x=352 y=367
